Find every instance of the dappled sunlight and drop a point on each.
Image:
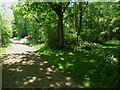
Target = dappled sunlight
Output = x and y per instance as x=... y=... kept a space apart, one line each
x=88 y=67
x=71 y=53
x=68 y=83
x=60 y=45
x=48 y=77
x=29 y=80
x=58 y=84
x=92 y=61
x=87 y=81
x=16 y=70
x=68 y=78
x=41 y=63
x=49 y=70
x=41 y=69
x=52 y=85
x=30 y=70
x=62 y=58
x=12 y=61
x=45 y=62
x=48 y=73
x=30 y=62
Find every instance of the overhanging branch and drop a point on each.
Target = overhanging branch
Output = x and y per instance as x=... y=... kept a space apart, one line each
x=65 y=7
x=53 y=6
x=85 y=6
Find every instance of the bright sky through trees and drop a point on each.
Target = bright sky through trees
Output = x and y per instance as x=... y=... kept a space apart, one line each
x=5 y=7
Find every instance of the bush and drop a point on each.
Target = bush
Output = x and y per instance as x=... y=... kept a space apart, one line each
x=5 y=35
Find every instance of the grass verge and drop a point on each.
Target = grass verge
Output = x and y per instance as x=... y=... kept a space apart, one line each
x=95 y=68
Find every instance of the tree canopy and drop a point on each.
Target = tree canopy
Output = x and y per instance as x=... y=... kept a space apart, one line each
x=80 y=38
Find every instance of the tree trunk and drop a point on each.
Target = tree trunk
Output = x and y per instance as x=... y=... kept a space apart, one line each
x=80 y=22
x=75 y=16
x=25 y=27
x=59 y=9
x=60 y=30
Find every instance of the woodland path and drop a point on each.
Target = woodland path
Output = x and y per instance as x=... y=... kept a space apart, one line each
x=23 y=67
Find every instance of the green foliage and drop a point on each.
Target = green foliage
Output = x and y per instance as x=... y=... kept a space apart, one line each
x=19 y=23
x=95 y=68
x=5 y=34
x=97 y=21
x=94 y=62
x=2 y=50
x=41 y=25
x=38 y=21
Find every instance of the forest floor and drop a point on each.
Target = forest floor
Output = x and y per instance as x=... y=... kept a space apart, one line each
x=95 y=66
x=23 y=67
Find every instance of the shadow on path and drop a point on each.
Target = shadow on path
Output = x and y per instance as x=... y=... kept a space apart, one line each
x=30 y=70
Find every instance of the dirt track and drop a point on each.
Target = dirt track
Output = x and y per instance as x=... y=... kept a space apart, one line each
x=23 y=67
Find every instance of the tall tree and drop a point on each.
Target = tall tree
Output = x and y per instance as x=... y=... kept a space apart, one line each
x=4 y=31
x=59 y=9
x=82 y=7
x=75 y=16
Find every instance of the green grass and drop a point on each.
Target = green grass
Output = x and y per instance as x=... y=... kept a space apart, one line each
x=2 y=50
x=96 y=68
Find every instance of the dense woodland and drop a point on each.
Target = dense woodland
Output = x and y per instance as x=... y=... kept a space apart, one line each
x=58 y=24
x=4 y=32
x=80 y=38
